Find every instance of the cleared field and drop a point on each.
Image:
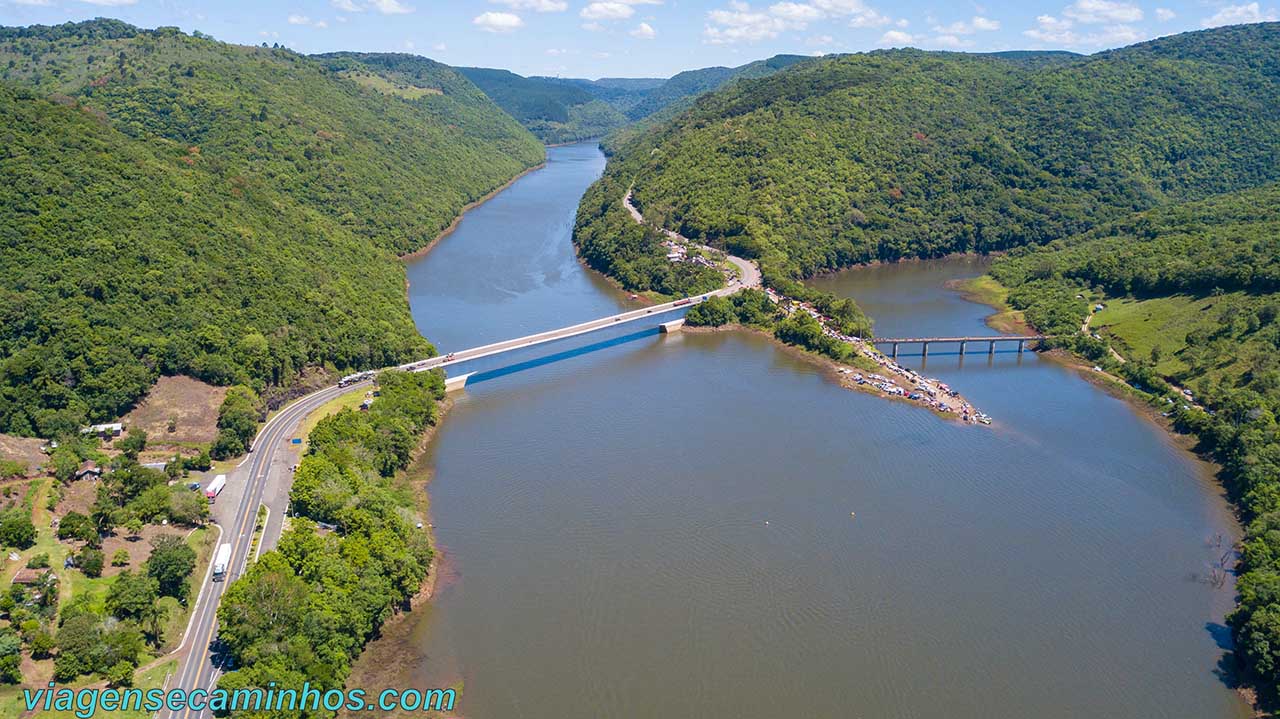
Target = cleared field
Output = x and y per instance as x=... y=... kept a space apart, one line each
x=1138 y=326
x=24 y=450
x=191 y=405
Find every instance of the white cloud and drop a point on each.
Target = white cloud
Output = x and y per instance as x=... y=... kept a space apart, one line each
x=268 y=33
x=535 y=5
x=1164 y=14
x=1062 y=32
x=871 y=18
x=439 y=47
x=304 y=20
x=592 y=27
x=795 y=12
x=32 y=2
x=390 y=7
x=1052 y=30
x=741 y=24
x=968 y=27
x=1102 y=11
x=498 y=21
x=820 y=40
x=1115 y=35
x=556 y=51
x=346 y=5
x=896 y=38
x=1239 y=14
x=949 y=41
x=607 y=10
x=109 y=3
x=644 y=31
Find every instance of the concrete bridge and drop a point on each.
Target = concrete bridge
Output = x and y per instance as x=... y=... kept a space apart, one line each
x=924 y=342
x=533 y=340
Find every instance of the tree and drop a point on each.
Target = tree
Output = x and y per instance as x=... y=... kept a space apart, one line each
x=132 y=596
x=16 y=529
x=133 y=443
x=134 y=528
x=170 y=564
x=90 y=561
x=65 y=463
x=187 y=508
x=77 y=526
x=10 y=657
x=41 y=645
x=120 y=674
x=120 y=558
x=77 y=638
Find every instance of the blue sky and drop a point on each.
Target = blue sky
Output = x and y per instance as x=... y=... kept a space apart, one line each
x=655 y=38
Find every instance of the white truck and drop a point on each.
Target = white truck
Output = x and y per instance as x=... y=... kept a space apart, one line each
x=220 y=562
x=215 y=487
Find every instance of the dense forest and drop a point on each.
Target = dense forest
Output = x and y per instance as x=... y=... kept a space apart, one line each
x=1202 y=282
x=560 y=110
x=304 y=611
x=906 y=153
x=172 y=204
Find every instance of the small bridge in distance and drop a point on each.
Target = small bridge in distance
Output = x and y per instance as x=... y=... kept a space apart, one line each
x=991 y=341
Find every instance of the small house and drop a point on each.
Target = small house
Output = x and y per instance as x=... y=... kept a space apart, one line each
x=105 y=431
x=29 y=577
x=89 y=470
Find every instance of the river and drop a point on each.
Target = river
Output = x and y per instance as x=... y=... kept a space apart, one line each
x=706 y=525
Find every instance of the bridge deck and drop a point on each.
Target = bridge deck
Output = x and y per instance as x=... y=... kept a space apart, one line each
x=995 y=338
x=562 y=333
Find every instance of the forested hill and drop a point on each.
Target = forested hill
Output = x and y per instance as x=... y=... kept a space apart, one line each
x=555 y=111
x=565 y=109
x=171 y=204
x=909 y=153
x=393 y=167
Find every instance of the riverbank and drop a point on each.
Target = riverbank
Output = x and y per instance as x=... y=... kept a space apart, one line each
x=422 y=251
x=848 y=375
x=986 y=290
x=386 y=661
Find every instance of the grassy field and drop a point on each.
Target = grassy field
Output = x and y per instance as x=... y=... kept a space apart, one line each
x=985 y=290
x=1136 y=327
x=350 y=400
x=12 y=704
x=387 y=87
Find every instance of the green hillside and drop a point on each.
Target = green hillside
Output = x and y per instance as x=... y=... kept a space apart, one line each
x=1192 y=295
x=171 y=204
x=553 y=110
x=907 y=153
x=390 y=170
x=567 y=109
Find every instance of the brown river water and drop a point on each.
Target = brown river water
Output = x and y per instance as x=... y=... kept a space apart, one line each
x=660 y=526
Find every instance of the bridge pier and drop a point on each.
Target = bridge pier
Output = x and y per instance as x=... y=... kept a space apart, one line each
x=962 y=344
x=924 y=349
x=895 y=350
x=992 y=349
x=1022 y=345
x=453 y=384
x=672 y=326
